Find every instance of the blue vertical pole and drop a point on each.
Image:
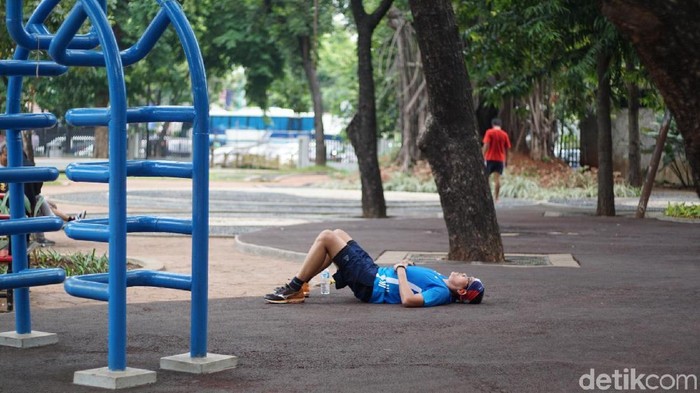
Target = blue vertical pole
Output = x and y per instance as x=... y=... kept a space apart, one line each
x=117 y=186
x=23 y=318
x=200 y=179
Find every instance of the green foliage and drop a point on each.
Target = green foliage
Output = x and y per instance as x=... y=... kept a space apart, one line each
x=521 y=187
x=73 y=264
x=578 y=185
x=400 y=181
x=337 y=71
x=683 y=210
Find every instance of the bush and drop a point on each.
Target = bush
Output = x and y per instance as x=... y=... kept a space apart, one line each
x=400 y=181
x=74 y=264
x=683 y=210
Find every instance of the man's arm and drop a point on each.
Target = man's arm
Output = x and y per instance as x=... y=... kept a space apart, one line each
x=484 y=149
x=408 y=298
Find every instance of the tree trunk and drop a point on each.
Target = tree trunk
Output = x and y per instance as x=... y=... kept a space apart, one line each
x=450 y=139
x=541 y=121
x=666 y=37
x=28 y=145
x=161 y=149
x=315 y=89
x=606 y=196
x=634 y=155
x=589 y=140
x=653 y=166
x=363 y=128
x=411 y=96
x=101 y=148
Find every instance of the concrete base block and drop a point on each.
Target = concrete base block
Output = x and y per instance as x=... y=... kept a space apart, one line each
x=212 y=363
x=27 y=340
x=104 y=378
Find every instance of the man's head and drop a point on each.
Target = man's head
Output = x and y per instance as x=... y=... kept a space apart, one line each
x=472 y=293
x=496 y=122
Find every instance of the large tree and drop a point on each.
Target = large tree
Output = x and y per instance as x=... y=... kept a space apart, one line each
x=450 y=139
x=606 y=195
x=363 y=128
x=666 y=36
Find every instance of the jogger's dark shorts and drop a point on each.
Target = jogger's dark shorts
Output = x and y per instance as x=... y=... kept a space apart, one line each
x=494 y=166
x=356 y=269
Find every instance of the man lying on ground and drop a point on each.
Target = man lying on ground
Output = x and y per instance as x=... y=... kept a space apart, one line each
x=411 y=286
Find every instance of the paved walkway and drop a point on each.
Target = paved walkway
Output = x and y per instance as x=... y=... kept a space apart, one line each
x=632 y=303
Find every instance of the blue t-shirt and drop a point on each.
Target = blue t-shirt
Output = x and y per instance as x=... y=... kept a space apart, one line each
x=427 y=282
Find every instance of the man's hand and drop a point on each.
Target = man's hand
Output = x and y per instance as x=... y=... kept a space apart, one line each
x=408 y=298
x=405 y=263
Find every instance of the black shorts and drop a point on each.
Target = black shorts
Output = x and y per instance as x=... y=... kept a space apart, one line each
x=356 y=269
x=494 y=166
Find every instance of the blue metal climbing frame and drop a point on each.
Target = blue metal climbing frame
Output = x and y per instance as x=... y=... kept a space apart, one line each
x=66 y=49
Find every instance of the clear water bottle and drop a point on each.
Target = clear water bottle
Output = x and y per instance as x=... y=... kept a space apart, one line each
x=325 y=282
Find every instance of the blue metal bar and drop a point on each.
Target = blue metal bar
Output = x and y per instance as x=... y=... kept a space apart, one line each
x=200 y=179
x=83 y=286
x=14 y=147
x=32 y=278
x=86 y=117
x=31 y=68
x=117 y=185
x=95 y=286
x=98 y=172
x=28 y=174
x=27 y=120
x=98 y=229
x=61 y=54
x=23 y=226
x=23 y=318
x=88 y=231
x=32 y=41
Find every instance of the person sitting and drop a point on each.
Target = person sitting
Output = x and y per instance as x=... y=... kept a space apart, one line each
x=404 y=283
x=38 y=204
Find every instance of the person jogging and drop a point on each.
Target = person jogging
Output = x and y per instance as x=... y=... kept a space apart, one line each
x=496 y=145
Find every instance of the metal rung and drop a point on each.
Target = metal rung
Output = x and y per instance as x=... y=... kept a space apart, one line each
x=145 y=114
x=28 y=174
x=98 y=172
x=96 y=286
x=27 y=120
x=32 y=278
x=31 y=68
x=22 y=226
x=98 y=229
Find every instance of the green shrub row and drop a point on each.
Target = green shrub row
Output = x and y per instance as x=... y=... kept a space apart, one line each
x=683 y=210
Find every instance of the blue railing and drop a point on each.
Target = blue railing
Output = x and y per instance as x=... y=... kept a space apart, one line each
x=67 y=48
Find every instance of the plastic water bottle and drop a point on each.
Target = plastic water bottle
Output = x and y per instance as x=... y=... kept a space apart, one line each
x=325 y=282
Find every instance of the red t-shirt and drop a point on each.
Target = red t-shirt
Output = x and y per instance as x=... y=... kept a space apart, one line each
x=498 y=142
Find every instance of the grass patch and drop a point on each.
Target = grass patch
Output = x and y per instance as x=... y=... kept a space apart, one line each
x=243 y=175
x=73 y=264
x=682 y=210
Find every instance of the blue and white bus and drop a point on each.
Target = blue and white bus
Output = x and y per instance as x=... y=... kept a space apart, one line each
x=252 y=125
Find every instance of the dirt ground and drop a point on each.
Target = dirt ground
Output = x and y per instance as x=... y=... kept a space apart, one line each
x=232 y=273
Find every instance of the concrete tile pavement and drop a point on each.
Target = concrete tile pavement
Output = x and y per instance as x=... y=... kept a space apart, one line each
x=231 y=272
x=632 y=304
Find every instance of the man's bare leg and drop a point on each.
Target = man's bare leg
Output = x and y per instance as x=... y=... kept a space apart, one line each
x=327 y=244
x=497 y=184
